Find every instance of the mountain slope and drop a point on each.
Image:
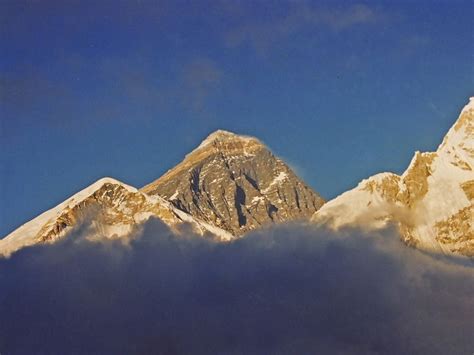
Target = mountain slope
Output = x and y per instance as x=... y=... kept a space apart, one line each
x=431 y=202
x=109 y=208
x=235 y=183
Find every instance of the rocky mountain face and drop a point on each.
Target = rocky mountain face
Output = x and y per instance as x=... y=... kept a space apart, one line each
x=431 y=202
x=232 y=184
x=235 y=183
x=229 y=185
x=106 y=209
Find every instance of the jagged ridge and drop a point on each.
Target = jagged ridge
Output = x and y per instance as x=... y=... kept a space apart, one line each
x=110 y=208
x=431 y=202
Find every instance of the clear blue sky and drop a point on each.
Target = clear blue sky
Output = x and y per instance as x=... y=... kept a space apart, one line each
x=125 y=89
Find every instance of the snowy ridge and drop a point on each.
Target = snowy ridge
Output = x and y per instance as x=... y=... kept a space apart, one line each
x=232 y=184
x=205 y=227
x=126 y=211
x=200 y=226
x=26 y=234
x=431 y=202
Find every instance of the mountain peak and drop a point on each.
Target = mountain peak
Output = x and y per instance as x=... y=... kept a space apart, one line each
x=223 y=136
x=471 y=101
x=108 y=180
x=459 y=139
x=234 y=182
x=116 y=210
x=221 y=133
x=469 y=106
x=432 y=202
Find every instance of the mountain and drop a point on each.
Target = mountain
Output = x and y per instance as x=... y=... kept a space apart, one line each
x=431 y=203
x=235 y=183
x=232 y=184
x=229 y=185
x=107 y=208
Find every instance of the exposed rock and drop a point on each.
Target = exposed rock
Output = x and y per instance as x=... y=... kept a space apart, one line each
x=237 y=184
x=457 y=231
x=114 y=211
x=229 y=185
x=431 y=202
x=108 y=209
x=233 y=184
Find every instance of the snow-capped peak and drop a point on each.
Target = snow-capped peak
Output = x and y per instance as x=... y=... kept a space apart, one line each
x=234 y=182
x=460 y=138
x=470 y=104
x=98 y=184
x=432 y=202
x=26 y=234
x=117 y=208
x=225 y=136
x=90 y=190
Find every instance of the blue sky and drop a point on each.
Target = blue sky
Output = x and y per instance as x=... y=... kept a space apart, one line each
x=341 y=90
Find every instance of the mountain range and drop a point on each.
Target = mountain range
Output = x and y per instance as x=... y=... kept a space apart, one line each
x=233 y=184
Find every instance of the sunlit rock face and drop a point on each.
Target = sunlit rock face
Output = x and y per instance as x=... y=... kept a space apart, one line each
x=232 y=184
x=113 y=210
x=105 y=209
x=236 y=183
x=431 y=202
x=229 y=185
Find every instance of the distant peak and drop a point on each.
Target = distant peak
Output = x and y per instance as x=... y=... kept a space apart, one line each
x=223 y=133
x=461 y=134
x=220 y=134
x=470 y=104
x=224 y=136
x=108 y=180
x=466 y=117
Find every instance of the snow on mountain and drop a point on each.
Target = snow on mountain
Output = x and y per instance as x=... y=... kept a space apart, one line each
x=431 y=202
x=231 y=184
x=110 y=208
x=235 y=183
x=253 y=186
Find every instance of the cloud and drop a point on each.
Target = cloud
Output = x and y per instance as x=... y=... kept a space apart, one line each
x=200 y=78
x=291 y=289
x=263 y=35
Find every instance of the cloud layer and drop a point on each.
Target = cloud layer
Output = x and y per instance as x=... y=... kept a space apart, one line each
x=291 y=289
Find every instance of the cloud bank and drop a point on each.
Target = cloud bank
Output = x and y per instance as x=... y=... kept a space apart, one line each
x=290 y=289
